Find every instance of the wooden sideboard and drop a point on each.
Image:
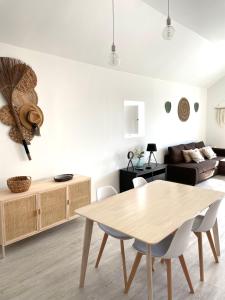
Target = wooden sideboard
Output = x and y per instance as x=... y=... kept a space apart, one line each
x=45 y=205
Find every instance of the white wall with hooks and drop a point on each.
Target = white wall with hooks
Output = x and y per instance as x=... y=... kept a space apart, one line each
x=215 y=129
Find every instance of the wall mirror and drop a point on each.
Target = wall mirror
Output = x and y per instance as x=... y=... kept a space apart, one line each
x=134 y=124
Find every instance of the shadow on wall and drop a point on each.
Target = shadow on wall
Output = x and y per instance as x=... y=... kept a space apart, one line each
x=109 y=179
x=112 y=178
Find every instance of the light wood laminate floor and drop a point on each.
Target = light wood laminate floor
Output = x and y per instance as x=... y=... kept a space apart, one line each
x=47 y=267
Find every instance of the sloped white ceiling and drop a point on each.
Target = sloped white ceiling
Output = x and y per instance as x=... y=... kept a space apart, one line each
x=81 y=30
x=206 y=17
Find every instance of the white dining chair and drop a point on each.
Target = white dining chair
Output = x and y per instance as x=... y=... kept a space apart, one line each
x=103 y=193
x=172 y=246
x=204 y=223
x=139 y=181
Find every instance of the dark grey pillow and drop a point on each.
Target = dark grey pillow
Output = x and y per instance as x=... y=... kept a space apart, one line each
x=199 y=145
x=175 y=154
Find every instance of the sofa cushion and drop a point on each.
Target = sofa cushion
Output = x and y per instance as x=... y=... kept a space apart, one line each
x=175 y=153
x=189 y=146
x=208 y=152
x=200 y=145
x=203 y=166
x=220 y=158
x=196 y=155
x=207 y=165
x=187 y=156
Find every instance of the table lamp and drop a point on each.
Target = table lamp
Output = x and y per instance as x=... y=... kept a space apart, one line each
x=151 y=148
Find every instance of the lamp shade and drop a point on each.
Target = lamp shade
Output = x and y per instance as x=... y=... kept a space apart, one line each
x=151 y=147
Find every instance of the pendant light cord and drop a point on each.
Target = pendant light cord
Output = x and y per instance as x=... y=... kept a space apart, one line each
x=113 y=19
x=114 y=57
x=168 y=8
x=168 y=17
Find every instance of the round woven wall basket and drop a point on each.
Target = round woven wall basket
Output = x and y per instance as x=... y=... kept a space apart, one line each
x=183 y=109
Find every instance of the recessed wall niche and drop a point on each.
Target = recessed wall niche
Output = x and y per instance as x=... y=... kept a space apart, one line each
x=134 y=121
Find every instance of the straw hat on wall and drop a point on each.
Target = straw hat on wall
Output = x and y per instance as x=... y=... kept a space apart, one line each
x=31 y=115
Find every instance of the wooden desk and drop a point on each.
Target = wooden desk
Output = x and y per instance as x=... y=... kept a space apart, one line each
x=149 y=213
x=157 y=171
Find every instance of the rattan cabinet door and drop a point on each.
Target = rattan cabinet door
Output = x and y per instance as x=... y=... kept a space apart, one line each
x=20 y=218
x=79 y=195
x=52 y=207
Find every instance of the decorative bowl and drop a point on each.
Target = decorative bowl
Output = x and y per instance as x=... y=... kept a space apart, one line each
x=63 y=177
x=19 y=184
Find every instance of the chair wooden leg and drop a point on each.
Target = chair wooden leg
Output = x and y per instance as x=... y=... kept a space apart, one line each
x=216 y=237
x=104 y=240
x=123 y=262
x=162 y=261
x=169 y=278
x=212 y=246
x=153 y=261
x=200 y=255
x=133 y=271
x=186 y=273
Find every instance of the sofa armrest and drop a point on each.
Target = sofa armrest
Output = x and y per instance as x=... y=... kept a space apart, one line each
x=219 y=151
x=181 y=174
x=166 y=159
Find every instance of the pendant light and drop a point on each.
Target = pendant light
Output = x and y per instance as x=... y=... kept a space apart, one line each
x=169 y=30
x=114 y=59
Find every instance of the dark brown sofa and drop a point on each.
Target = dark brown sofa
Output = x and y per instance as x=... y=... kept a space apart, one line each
x=192 y=173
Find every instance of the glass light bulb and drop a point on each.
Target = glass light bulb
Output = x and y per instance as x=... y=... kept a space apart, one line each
x=168 y=32
x=114 y=59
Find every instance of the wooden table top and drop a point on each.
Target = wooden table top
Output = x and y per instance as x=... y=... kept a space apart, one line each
x=153 y=211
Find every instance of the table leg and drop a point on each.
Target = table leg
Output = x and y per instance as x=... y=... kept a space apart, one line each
x=149 y=273
x=216 y=238
x=86 y=247
x=3 y=251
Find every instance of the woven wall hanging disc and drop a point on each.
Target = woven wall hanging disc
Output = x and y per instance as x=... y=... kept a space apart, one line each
x=6 y=116
x=16 y=136
x=28 y=81
x=183 y=109
x=20 y=98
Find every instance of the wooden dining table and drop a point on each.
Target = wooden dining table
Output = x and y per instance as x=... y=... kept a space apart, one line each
x=148 y=213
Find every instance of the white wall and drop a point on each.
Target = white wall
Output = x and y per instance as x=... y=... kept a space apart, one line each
x=215 y=97
x=83 y=127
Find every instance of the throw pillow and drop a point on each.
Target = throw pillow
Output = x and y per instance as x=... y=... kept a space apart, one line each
x=187 y=156
x=199 y=145
x=190 y=146
x=208 y=152
x=196 y=156
x=175 y=154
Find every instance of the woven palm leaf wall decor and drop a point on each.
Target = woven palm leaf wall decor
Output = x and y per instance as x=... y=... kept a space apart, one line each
x=21 y=113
